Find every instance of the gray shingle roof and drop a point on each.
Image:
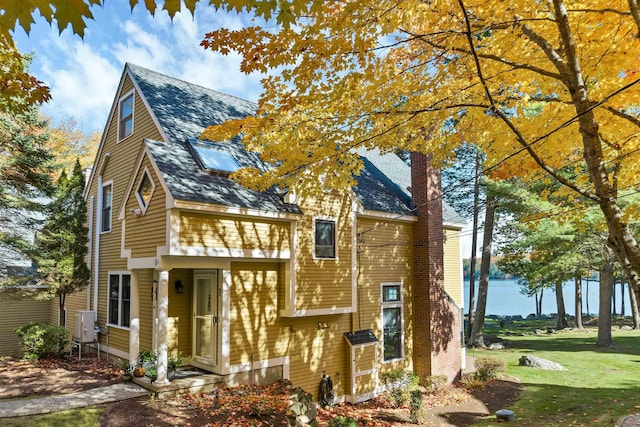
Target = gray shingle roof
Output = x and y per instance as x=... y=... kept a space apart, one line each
x=391 y=172
x=184 y=110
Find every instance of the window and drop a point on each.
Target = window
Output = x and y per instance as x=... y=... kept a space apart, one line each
x=214 y=159
x=325 y=238
x=107 y=200
x=145 y=190
x=392 y=319
x=125 y=117
x=119 y=299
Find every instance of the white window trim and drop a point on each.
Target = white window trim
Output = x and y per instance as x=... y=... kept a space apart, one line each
x=105 y=184
x=119 y=274
x=335 y=237
x=144 y=207
x=133 y=112
x=392 y=304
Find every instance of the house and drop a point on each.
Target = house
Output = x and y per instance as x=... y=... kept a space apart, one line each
x=20 y=302
x=256 y=286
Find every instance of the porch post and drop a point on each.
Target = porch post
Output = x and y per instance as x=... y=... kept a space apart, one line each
x=163 y=323
x=134 y=319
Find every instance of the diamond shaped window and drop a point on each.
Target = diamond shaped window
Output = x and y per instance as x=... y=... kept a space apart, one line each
x=145 y=190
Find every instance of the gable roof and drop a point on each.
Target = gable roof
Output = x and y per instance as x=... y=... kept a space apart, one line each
x=183 y=111
x=397 y=174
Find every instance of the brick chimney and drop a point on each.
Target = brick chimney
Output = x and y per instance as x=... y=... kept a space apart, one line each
x=436 y=322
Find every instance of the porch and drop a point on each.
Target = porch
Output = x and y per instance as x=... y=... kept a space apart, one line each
x=187 y=380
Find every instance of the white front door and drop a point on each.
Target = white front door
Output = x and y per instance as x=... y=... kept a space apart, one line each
x=205 y=318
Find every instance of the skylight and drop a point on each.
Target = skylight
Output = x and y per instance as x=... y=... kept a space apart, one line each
x=215 y=159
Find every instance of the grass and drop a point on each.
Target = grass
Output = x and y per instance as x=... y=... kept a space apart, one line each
x=86 y=417
x=598 y=387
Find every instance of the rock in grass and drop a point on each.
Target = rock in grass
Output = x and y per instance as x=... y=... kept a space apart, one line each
x=540 y=363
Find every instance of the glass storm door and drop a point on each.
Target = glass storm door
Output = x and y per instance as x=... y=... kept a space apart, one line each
x=205 y=318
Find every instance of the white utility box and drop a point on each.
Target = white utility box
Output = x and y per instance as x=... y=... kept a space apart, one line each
x=83 y=330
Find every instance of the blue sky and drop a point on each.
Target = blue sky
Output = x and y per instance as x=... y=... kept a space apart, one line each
x=83 y=74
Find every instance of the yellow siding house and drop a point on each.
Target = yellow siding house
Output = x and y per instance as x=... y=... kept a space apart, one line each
x=253 y=286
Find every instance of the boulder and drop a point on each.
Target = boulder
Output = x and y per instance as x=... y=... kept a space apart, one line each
x=302 y=410
x=540 y=363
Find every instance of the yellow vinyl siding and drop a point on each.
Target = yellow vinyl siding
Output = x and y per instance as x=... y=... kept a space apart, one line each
x=198 y=230
x=145 y=278
x=257 y=332
x=452 y=269
x=365 y=384
x=15 y=312
x=145 y=233
x=180 y=311
x=118 y=169
x=365 y=358
x=386 y=257
x=324 y=283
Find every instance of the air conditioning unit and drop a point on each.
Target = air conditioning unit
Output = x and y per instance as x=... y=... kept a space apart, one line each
x=83 y=330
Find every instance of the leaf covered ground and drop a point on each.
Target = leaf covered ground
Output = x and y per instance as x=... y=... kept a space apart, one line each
x=235 y=406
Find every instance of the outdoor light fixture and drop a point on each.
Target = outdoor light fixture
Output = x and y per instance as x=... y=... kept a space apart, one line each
x=179 y=287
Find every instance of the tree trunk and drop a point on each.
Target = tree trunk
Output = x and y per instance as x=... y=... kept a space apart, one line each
x=622 y=311
x=562 y=322
x=578 y=281
x=606 y=289
x=474 y=245
x=633 y=302
x=61 y=300
x=587 y=296
x=539 y=303
x=477 y=338
x=620 y=239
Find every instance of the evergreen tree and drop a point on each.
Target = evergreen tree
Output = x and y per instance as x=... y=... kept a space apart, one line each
x=63 y=241
x=25 y=186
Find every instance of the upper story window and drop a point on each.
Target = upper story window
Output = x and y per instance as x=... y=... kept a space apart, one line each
x=325 y=238
x=392 y=321
x=145 y=190
x=119 y=299
x=107 y=202
x=125 y=116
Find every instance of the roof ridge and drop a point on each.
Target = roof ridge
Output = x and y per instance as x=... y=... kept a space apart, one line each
x=131 y=65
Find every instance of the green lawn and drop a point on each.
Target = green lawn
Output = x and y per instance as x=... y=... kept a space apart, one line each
x=598 y=387
x=87 y=417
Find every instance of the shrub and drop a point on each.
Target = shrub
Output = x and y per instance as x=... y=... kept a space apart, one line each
x=488 y=368
x=341 y=421
x=470 y=382
x=42 y=339
x=417 y=410
x=436 y=382
x=147 y=358
x=399 y=384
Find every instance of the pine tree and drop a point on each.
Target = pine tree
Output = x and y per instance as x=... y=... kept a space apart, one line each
x=25 y=186
x=63 y=241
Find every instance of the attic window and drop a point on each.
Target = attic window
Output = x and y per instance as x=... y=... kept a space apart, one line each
x=214 y=159
x=145 y=190
x=125 y=116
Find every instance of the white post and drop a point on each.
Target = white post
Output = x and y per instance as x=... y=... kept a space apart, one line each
x=163 y=323
x=134 y=319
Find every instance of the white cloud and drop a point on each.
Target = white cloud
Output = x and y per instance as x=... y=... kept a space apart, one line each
x=84 y=74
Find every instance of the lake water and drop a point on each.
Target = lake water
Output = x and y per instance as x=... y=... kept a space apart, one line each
x=504 y=299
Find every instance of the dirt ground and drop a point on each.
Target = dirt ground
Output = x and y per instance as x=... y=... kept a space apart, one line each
x=236 y=406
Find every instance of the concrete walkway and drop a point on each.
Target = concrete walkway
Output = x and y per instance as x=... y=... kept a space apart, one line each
x=62 y=402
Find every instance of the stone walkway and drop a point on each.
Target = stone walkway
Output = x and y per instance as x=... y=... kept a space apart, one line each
x=61 y=402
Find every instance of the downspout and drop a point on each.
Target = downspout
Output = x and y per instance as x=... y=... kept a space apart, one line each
x=96 y=253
